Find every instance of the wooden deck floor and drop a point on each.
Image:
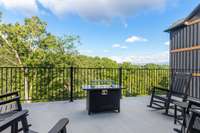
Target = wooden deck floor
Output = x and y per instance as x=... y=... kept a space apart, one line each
x=134 y=117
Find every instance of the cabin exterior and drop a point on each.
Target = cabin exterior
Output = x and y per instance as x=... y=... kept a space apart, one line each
x=185 y=48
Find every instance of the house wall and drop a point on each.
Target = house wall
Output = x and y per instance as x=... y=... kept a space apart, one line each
x=185 y=54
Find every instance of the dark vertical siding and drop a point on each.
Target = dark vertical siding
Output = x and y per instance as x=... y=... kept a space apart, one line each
x=198 y=69
x=189 y=61
x=195 y=34
x=188 y=36
x=185 y=37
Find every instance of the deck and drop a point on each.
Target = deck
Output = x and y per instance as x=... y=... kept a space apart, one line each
x=134 y=117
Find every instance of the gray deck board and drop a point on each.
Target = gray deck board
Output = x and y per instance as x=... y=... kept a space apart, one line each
x=134 y=117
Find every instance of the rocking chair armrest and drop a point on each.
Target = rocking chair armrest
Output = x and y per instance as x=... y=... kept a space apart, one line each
x=60 y=126
x=9 y=94
x=160 y=88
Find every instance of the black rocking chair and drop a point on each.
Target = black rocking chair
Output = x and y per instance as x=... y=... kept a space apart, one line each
x=178 y=91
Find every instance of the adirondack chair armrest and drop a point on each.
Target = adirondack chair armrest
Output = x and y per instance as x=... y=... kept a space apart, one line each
x=193 y=103
x=17 y=98
x=9 y=94
x=160 y=88
x=195 y=111
x=60 y=126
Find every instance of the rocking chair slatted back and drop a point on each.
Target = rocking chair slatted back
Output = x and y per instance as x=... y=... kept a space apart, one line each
x=180 y=85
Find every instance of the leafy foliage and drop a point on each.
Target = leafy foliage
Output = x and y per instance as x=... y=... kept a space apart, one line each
x=29 y=44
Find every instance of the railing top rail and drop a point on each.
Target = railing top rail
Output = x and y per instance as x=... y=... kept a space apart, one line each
x=104 y=68
x=34 y=67
x=98 y=68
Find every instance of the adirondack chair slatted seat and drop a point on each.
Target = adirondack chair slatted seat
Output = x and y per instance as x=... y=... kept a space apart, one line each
x=161 y=98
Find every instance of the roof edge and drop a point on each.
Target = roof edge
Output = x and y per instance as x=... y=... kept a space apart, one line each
x=183 y=22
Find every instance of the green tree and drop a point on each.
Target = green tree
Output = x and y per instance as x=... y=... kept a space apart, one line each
x=29 y=44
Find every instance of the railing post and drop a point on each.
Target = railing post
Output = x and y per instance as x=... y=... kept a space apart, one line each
x=120 y=79
x=71 y=83
x=26 y=85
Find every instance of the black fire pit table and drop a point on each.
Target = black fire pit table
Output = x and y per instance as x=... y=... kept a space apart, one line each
x=103 y=98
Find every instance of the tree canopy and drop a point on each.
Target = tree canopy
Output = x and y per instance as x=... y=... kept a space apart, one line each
x=29 y=44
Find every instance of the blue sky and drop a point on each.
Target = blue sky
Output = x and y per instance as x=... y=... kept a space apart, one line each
x=121 y=30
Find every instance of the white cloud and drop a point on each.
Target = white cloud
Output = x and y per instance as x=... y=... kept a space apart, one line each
x=27 y=7
x=119 y=46
x=101 y=10
x=158 y=58
x=116 y=45
x=133 y=39
x=95 y=10
x=167 y=43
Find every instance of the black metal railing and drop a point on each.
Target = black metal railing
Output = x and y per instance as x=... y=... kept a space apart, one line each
x=47 y=84
x=36 y=83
